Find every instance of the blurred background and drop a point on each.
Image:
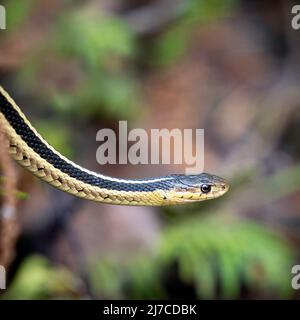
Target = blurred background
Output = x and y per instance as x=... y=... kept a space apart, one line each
x=230 y=67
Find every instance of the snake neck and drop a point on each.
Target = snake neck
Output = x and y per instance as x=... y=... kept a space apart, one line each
x=32 y=152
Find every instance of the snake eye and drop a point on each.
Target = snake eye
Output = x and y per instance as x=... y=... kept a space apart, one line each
x=205 y=188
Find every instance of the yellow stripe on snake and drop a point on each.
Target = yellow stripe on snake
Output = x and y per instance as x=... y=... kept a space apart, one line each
x=32 y=152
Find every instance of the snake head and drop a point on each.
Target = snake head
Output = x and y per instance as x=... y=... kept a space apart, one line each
x=194 y=188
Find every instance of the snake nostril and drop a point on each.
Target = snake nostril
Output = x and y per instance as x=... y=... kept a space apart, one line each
x=223 y=186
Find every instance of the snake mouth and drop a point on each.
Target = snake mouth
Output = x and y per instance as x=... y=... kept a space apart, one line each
x=216 y=194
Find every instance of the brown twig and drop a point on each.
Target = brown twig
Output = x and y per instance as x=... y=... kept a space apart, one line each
x=9 y=228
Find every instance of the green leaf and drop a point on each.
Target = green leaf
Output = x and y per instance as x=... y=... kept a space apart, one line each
x=95 y=39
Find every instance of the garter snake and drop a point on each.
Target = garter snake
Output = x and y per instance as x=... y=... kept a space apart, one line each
x=32 y=152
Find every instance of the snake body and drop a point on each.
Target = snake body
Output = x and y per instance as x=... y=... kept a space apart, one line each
x=32 y=152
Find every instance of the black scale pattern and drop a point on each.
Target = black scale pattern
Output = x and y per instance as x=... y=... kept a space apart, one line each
x=35 y=143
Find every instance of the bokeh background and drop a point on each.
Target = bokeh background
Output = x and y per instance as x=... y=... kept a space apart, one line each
x=230 y=67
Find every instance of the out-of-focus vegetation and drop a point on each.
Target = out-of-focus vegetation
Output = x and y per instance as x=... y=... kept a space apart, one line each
x=19 y=194
x=18 y=12
x=37 y=279
x=171 y=44
x=226 y=66
x=216 y=256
